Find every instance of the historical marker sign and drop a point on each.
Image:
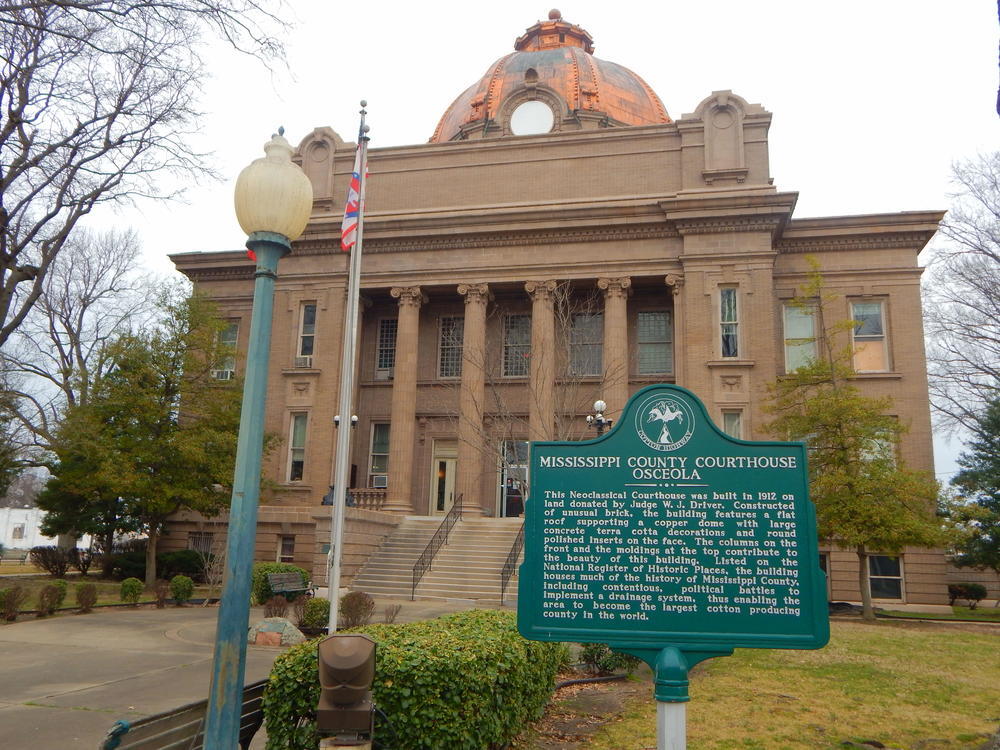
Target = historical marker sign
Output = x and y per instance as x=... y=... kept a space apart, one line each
x=668 y=532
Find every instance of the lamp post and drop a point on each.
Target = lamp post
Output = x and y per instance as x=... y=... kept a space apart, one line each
x=598 y=420
x=273 y=204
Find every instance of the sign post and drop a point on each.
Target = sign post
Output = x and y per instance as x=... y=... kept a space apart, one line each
x=672 y=541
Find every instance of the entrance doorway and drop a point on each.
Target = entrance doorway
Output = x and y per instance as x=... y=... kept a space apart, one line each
x=443 y=476
x=513 y=478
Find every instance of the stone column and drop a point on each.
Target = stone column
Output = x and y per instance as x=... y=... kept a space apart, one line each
x=471 y=440
x=541 y=396
x=402 y=426
x=675 y=282
x=616 y=359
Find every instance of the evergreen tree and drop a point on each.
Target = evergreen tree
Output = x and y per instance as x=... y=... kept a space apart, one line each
x=157 y=434
x=977 y=520
x=866 y=499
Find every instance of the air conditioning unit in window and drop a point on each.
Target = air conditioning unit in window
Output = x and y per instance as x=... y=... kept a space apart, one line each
x=384 y=373
x=223 y=374
x=304 y=361
x=380 y=481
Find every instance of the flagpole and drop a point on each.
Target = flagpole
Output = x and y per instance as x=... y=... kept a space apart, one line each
x=345 y=424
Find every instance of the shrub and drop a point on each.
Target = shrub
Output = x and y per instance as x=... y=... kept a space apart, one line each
x=130 y=564
x=260 y=589
x=161 y=590
x=81 y=559
x=63 y=585
x=11 y=601
x=355 y=609
x=464 y=682
x=299 y=609
x=602 y=660
x=53 y=560
x=317 y=613
x=972 y=592
x=48 y=600
x=391 y=613
x=181 y=589
x=276 y=606
x=131 y=590
x=182 y=562
x=86 y=596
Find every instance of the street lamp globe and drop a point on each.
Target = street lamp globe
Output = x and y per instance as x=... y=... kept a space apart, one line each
x=600 y=406
x=273 y=195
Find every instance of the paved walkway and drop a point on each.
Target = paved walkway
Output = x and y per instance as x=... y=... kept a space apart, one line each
x=65 y=680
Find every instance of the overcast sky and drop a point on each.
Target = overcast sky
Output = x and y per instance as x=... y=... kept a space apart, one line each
x=872 y=100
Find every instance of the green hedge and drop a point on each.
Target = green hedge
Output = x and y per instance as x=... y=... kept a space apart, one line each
x=466 y=681
x=260 y=589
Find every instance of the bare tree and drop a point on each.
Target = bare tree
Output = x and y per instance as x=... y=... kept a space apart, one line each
x=579 y=370
x=91 y=294
x=99 y=103
x=213 y=565
x=963 y=297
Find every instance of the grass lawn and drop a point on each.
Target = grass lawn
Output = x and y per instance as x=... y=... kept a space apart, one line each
x=901 y=684
x=108 y=591
x=979 y=614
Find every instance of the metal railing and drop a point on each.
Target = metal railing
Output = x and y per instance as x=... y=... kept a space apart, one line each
x=437 y=541
x=507 y=572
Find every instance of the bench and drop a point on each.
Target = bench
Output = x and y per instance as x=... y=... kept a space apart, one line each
x=14 y=555
x=287 y=583
x=184 y=728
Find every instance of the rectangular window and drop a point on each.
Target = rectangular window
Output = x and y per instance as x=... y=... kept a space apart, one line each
x=729 y=320
x=870 y=351
x=516 y=345
x=800 y=336
x=586 y=344
x=732 y=423
x=885 y=575
x=307 y=330
x=286 y=549
x=385 y=352
x=297 y=448
x=18 y=531
x=450 y=347
x=655 y=338
x=200 y=542
x=378 y=473
x=227 y=343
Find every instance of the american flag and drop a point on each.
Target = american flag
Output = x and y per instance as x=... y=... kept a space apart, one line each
x=349 y=229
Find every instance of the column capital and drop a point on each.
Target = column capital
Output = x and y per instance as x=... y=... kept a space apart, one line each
x=541 y=290
x=675 y=281
x=408 y=296
x=615 y=287
x=475 y=293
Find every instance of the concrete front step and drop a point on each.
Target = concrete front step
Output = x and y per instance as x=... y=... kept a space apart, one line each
x=468 y=567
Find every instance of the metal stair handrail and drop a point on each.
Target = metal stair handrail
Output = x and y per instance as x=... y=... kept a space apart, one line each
x=507 y=572
x=439 y=539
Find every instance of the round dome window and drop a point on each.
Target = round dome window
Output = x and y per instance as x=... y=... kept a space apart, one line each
x=532 y=118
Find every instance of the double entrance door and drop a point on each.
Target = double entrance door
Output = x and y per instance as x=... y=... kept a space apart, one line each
x=512 y=475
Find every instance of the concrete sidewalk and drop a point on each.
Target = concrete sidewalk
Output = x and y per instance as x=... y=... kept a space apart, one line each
x=65 y=680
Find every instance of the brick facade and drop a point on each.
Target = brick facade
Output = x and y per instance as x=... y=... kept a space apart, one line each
x=648 y=230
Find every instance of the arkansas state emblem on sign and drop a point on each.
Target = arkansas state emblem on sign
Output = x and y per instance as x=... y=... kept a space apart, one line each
x=664 y=422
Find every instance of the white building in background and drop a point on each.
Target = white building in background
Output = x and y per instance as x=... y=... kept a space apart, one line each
x=20 y=529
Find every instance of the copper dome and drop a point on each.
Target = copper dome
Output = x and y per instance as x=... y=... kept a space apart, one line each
x=553 y=61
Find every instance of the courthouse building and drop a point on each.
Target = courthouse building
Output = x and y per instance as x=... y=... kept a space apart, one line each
x=560 y=239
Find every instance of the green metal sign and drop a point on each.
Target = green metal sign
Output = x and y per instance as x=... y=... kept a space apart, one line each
x=666 y=533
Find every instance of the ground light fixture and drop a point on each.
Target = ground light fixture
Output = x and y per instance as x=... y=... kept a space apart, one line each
x=345 y=712
x=273 y=204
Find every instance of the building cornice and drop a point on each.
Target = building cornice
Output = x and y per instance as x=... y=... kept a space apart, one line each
x=901 y=240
